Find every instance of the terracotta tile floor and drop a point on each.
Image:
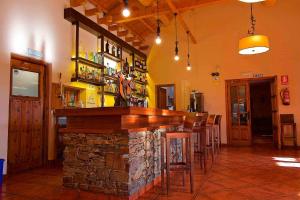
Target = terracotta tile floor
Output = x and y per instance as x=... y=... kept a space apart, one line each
x=238 y=173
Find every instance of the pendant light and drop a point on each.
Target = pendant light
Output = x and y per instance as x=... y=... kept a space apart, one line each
x=189 y=66
x=176 y=57
x=252 y=1
x=253 y=44
x=126 y=11
x=158 y=39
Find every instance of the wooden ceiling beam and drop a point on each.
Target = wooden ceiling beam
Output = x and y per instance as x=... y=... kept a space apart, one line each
x=144 y=47
x=146 y=3
x=122 y=33
x=129 y=38
x=136 y=43
x=91 y=12
x=152 y=12
x=113 y=27
x=76 y=3
x=150 y=28
x=181 y=20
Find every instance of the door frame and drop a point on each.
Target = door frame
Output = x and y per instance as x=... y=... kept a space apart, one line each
x=47 y=100
x=275 y=88
x=164 y=85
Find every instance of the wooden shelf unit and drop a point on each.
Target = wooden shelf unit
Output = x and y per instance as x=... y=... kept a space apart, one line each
x=80 y=21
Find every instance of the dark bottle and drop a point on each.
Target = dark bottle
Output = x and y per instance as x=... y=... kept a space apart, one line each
x=107 y=47
x=119 y=52
x=113 y=51
x=126 y=67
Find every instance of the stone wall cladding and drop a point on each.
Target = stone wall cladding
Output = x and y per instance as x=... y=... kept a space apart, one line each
x=96 y=162
x=114 y=163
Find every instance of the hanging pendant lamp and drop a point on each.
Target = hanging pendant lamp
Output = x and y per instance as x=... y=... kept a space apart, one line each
x=157 y=39
x=252 y=1
x=126 y=11
x=253 y=44
x=189 y=66
x=176 y=57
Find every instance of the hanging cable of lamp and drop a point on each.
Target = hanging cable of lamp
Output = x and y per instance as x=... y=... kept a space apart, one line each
x=189 y=66
x=126 y=11
x=157 y=39
x=176 y=57
x=253 y=44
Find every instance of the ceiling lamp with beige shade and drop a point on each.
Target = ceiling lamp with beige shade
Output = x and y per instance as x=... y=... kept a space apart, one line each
x=253 y=44
x=252 y=1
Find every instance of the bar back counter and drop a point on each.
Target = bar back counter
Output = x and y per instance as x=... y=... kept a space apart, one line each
x=114 y=151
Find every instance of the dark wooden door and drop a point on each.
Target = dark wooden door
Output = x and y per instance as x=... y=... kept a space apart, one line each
x=275 y=117
x=25 y=148
x=162 y=98
x=238 y=112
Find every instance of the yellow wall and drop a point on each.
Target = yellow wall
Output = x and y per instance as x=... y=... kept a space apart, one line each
x=218 y=28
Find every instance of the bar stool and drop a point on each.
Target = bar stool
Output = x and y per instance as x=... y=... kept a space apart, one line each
x=210 y=137
x=217 y=131
x=200 y=130
x=185 y=163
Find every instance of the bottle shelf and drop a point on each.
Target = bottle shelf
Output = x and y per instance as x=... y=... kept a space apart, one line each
x=88 y=62
x=141 y=70
x=110 y=93
x=141 y=82
x=108 y=77
x=88 y=81
x=112 y=57
x=140 y=95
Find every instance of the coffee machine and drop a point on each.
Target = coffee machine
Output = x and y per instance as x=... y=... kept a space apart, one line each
x=196 y=102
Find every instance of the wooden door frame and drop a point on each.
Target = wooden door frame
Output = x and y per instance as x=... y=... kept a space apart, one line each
x=164 y=85
x=47 y=100
x=272 y=78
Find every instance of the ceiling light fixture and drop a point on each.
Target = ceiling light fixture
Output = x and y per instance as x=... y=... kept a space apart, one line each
x=252 y=1
x=158 y=39
x=253 y=44
x=189 y=66
x=176 y=57
x=126 y=11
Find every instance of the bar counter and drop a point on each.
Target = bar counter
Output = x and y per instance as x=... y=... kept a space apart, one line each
x=115 y=151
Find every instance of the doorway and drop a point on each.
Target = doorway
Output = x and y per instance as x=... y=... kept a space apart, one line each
x=251 y=106
x=166 y=97
x=28 y=114
x=261 y=112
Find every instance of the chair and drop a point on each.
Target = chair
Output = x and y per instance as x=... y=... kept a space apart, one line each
x=217 y=131
x=179 y=164
x=288 y=129
x=210 y=137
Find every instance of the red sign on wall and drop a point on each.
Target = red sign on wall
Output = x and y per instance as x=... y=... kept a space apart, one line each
x=284 y=80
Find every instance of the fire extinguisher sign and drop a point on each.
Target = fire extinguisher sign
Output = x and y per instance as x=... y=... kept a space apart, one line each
x=284 y=80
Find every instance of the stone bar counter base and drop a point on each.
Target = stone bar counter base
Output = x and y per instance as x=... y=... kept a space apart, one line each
x=114 y=151
x=118 y=164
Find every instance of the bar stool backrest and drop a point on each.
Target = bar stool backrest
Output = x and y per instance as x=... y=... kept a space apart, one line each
x=211 y=119
x=218 y=119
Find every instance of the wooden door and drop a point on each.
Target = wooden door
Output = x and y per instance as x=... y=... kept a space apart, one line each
x=238 y=112
x=162 y=98
x=275 y=117
x=25 y=139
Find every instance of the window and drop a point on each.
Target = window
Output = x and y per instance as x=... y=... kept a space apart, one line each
x=25 y=83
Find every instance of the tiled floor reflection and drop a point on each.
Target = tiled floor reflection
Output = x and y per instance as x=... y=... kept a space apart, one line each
x=239 y=173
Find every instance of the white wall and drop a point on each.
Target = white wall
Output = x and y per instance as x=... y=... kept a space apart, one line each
x=35 y=24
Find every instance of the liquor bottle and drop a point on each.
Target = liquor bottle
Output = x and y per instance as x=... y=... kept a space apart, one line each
x=107 y=47
x=126 y=67
x=119 y=52
x=113 y=51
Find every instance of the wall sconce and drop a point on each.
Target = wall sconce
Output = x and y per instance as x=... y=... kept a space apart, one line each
x=215 y=76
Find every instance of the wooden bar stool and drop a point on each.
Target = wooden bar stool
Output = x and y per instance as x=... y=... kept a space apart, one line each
x=200 y=130
x=185 y=163
x=217 y=131
x=210 y=135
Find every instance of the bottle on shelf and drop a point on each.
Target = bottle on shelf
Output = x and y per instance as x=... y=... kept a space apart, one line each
x=107 y=47
x=113 y=50
x=126 y=67
x=119 y=52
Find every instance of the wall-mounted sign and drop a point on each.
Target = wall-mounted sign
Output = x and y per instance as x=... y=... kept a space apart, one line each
x=258 y=75
x=35 y=53
x=284 y=80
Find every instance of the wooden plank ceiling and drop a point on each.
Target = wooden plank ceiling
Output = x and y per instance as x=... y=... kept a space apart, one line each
x=141 y=24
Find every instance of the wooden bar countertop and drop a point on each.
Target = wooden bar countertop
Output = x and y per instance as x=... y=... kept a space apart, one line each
x=110 y=119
